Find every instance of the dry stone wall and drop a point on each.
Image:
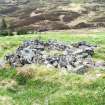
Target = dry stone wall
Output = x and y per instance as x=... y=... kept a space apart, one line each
x=76 y=57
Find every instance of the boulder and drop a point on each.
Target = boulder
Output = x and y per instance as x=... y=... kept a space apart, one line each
x=2 y=64
x=100 y=64
x=80 y=69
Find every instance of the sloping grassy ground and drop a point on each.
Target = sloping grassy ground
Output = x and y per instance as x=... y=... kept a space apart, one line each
x=49 y=86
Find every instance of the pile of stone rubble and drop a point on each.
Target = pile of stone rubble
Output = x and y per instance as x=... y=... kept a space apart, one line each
x=76 y=57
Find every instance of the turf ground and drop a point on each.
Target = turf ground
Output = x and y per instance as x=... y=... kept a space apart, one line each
x=49 y=86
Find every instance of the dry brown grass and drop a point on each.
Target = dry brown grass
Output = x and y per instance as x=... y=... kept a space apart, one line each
x=26 y=71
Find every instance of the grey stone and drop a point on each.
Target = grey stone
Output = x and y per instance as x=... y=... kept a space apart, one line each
x=78 y=52
x=80 y=69
x=2 y=64
x=100 y=64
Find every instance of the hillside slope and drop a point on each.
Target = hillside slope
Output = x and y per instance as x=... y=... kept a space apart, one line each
x=53 y=14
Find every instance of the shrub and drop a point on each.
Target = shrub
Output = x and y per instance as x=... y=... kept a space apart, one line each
x=4 y=33
x=21 y=31
x=3 y=24
x=10 y=32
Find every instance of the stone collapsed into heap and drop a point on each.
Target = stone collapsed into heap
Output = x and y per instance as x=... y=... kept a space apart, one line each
x=76 y=57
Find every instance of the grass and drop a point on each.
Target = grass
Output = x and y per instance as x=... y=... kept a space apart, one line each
x=49 y=86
